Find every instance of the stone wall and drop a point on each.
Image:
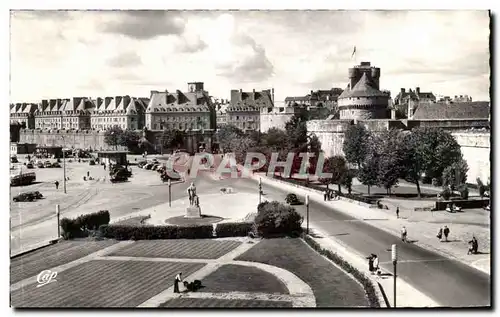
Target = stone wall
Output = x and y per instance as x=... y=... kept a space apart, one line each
x=475 y=146
x=66 y=138
x=274 y=120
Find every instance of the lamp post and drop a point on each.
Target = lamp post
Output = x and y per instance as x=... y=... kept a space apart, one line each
x=58 y=213
x=394 y=256
x=260 y=190
x=64 y=164
x=307 y=213
x=169 y=193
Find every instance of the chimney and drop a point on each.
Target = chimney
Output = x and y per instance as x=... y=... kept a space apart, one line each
x=410 y=109
x=311 y=92
x=418 y=90
x=241 y=95
x=272 y=95
x=393 y=114
x=402 y=90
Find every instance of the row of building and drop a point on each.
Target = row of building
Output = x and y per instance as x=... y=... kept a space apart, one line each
x=255 y=110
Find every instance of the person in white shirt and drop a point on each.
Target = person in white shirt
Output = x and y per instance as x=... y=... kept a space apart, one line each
x=375 y=264
x=404 y=233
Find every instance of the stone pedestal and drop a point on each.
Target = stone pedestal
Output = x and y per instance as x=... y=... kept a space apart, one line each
x=193 y=212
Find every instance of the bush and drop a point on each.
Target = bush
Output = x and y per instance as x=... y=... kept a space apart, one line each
x=128 y=232
x=446 y=193
x=276 y=219
x=233 y=229
x=464 y=191
x=346 y=266
x=79 y=227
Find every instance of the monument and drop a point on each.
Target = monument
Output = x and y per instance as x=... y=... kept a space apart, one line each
x=193 y=211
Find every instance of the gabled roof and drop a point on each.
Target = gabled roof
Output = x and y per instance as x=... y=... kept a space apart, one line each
x=460 y=110
x=163 y=101
x=251 y=101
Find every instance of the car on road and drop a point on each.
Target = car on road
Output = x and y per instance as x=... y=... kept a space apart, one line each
x=148 y=166
x=155 y=167
x=24 y=197
x=141 y=164
x=40 y=165
x=47 y=164
x=91 y=162
x=292 y=199
x=29 y=165
x=36 y=194
x=55 y=164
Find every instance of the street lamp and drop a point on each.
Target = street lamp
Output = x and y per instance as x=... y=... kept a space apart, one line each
x=394 y=256
x=260 y=190
x=64 y=164
x=58 y=213
x=169 y=193
x=307 y=213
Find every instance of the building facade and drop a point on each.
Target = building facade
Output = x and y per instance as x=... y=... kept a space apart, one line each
x=123 y=111
x=245 y=108
x=181 y=110
x=23 y=114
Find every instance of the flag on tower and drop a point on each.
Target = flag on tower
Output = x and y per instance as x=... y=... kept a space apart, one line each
x=353 y=51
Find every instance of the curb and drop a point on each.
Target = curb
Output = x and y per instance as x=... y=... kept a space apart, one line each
x=44 y=245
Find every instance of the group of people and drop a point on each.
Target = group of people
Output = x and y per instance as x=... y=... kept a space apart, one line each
x=443 y=231
x=329 y=195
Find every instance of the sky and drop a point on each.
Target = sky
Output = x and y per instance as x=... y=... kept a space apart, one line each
x=63 y=54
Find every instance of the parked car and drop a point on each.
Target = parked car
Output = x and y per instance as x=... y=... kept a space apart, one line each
x=55 y=164
x=47 y=164
x=141 y=164
x=24 y=197
x=91 y=162
x=148 y=166
x=172 y=175
x=13 y=159
x=155 y=167
x=292 y=199
x=29 y=165
x=40 y=165
x=36 y=194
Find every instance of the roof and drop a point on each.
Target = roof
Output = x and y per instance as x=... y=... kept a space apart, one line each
x=413 y=95
x=460 y=110
x=363 y=88
x=249 y=101
x=163 y=101
x=303 y=98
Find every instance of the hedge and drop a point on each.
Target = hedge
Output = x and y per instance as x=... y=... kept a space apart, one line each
x=233 y=229
x=346 y=266
x=363 y=199
x=80 y=227
x=130 y=232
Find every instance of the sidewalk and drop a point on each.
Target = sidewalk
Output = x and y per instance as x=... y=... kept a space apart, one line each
x=406 y=295
x=422 y=226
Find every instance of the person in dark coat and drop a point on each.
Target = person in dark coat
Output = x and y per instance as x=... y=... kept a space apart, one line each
x=446 y=232
x=178 y=279
x=370 y=263
x=57 y=184
x=440 y=234
x=397 y=212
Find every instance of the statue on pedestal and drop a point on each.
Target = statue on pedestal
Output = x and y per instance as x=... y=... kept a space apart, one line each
x=193 y=198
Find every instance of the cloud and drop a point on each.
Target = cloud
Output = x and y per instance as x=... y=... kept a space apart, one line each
x=60 y=15
x=145 y=24
x=190 y=44
x=125 y=59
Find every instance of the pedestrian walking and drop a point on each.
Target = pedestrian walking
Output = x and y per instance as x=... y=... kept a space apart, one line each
x=370 y=263
x=404 y=234
x=178 y=279
x=104 y=165
x=376 y=269
x=325 y=195
x=57 y=184
x=446 y=232
x=88 y=174
x=440 y=234
x=397 y=212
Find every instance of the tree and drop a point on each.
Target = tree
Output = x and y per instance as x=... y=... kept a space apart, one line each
x=369 y=171
x=226 y=134
x=113 y=136
x=296 y=129
x=412 y=161
x=391 y=149
x=347 y=181
x=455 y=174
x=356 y=144
x=130 y=139
x=240 y=147
x=437 y=149
x=171 y=139
x=337 y=166
x=275 y=138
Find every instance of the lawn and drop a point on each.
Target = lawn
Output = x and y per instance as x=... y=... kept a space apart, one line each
x=63 y=252
x=179 y=248
x=104 y=284
x=134 y=221
x=331 y=286
x=223 y=303
x=239 y=278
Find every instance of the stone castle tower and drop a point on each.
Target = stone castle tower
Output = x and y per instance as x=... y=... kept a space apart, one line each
x=362 y=99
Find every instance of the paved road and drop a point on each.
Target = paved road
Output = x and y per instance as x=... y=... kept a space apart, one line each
x=448 y=282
